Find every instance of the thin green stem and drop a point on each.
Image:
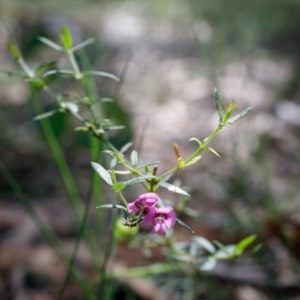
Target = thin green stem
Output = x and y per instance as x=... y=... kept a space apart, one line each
x=75 y=66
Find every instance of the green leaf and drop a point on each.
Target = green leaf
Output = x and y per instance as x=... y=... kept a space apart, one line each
x=115 y=127
x=45 y=115
x=13 y=50
x=44 y=67
x=243 y=244
x=62 y=72
x=113 y=206
x=70 y=106
x=102 y=173
x=36 y=83
x=193 y=161
x=119 y=186
x=151 y=163
x=219 y=105
x=224 y=252
x=126 y=147
x=239 y=116
x=51 y=44
x=134 y=158
x=102 y=74
x=66 y=38
x=139 y=179
x=193 y=139
x=173 y=188
x=83 y=44
x=208 y=263
x=205 y=244
x=185 y=225
x=213 y=151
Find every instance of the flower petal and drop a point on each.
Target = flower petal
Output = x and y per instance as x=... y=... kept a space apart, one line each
x=148 y=199
x=149 y=216
x=132 y=208
x=169 y=215
x=163 y=229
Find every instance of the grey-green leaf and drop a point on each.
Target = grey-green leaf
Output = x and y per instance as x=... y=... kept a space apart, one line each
x=102 y=74
x=173 y=188
x=72 y=107
x=218 y=103
x=102 y=173
x=51 y=44
x=126 y=147
x=45 y=115
x=113 y=206
x=134 y=158
x=139 y=179
x=208 y=264
x=239 y=116
x=83 y=44
x=205 y=244
x=185 y=225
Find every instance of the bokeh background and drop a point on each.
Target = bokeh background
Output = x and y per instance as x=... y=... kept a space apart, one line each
x=171 y=55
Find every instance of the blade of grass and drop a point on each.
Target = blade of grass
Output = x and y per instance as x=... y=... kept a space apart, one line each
x=66 y=174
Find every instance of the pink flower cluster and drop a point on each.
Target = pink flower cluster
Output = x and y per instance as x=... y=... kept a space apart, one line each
x=161 y=219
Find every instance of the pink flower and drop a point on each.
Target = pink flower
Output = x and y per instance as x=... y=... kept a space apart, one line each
x=143 y=203
x=162 y=219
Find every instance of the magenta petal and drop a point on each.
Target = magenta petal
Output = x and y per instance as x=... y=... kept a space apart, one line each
x=132 y=208
x=148 y=199
x=163 y=229
x=156 y=227
x=169 y=215
x=149 y=216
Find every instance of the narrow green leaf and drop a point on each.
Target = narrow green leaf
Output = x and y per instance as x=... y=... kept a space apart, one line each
x=62 y=72
x=134 y=158
x=113 y=206
x=102 y=173
x=83 y=44
x=66 y=38
x=45 y=115
x=243 y=244
x=173 y=188
x=185 y=225
x=239 y=116
x=115 y=127
x=205 y=244
x=102 y=74
x=219 y=105
x=119 y=186
x=13 y=50
x=151 y=163
x=139 y=179
x=126 y=147
x=44 y=67
x=213 y=151
x=193 y=161
x=36 y=83
x=70 y=106
x=194 y=139
x=208 y=264
x=51 y=44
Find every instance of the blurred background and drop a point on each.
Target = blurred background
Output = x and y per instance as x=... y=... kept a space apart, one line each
x=171 y=55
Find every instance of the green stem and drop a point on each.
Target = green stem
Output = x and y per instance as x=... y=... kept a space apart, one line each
x=196 y=153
